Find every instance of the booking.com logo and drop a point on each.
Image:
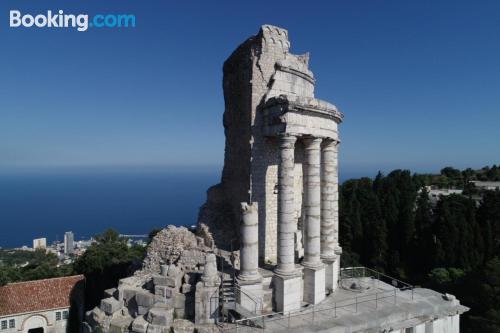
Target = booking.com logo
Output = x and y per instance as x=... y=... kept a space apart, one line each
x=61 y=20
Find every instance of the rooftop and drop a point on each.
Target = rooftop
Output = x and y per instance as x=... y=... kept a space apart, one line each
x=364 y=302
x=39 y=295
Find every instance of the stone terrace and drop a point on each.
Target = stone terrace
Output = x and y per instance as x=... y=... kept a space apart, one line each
x=363 y=304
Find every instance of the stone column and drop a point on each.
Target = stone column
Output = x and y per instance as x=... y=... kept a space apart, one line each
x=287 y=224
x=328 y=186
x=249 y=280
x=314 y=270
x=329 y=213
x=287 y=278
x=249 y=251
x=312 y=203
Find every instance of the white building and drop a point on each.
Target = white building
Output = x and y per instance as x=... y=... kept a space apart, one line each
x=40 y=243
x=69 y=245
x=40 y=306
x=485 y=185
x=436 y=193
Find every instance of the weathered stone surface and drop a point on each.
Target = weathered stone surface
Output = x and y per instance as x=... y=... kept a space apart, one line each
x=164 y=291
x=268 y=91
x=95 y=317
x=158 y=329
x=183 y=326
x=140 y=325
x=120 y=324
x=142 y=310
x=159 y=280
x=110 y=305
x=172 y=245
x=144 y=298
x=112 y=292
x=206 y=303
x=160 y=316
x=207 y=329
x=186 y=288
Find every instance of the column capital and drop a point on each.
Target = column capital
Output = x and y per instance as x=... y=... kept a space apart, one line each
x=287 y=140
x=312 y=142
x=330 y=143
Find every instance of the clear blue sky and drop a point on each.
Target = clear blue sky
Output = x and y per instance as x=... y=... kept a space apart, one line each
x=418 y=81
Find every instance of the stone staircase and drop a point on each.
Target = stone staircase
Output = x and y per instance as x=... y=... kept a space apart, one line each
x=228 y=294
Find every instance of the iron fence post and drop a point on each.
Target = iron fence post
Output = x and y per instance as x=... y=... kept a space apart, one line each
x=356 y=303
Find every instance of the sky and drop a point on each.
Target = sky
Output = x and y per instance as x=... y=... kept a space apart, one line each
x=417 y=81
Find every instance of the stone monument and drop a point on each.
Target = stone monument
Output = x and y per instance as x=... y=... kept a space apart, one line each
x=281 y=153
x=276 y=209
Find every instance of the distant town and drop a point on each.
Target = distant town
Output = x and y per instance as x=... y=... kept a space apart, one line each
x=69 y=249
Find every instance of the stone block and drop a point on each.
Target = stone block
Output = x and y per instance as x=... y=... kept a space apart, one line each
x=331 y=275
x=186 y=288
x=110 y=305
x=112 y=292
x=287 y=293
x=206 y=304
x=314 y=284
x=95 y=317
x=207 y=329
x=250 y=297
x=140 y=325
x=163 y=300
x=159 y=280
x=142 y=310
x=158 y=329
x=179 y=300
x=127 y=292
x=171 y=281
x=120 y=324
x=161 y=316
x=144 y=298
x=164 y=291
x=183 y=326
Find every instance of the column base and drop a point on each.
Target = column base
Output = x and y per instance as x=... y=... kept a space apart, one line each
x=250 y=295
x=332 y=271
x=314 y=284
x=288 y=292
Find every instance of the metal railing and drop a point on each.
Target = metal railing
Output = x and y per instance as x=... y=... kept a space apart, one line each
x=364 y=272
x=309 y=313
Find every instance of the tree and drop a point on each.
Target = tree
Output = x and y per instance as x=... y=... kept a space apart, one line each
x=104 y=263
x=423 y=242
x=451 y=173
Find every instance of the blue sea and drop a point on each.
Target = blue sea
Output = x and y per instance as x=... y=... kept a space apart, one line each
x=48 y=202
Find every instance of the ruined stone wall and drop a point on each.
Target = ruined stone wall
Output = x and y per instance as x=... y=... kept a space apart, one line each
x=259 y=69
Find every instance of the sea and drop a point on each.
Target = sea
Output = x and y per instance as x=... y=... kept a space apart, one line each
x=133 y=201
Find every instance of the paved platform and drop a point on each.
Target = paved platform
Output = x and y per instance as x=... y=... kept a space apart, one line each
x=361 y=305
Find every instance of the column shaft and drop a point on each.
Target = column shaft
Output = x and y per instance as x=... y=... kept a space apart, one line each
x=286 y=217
x=249 y=252
x=312 y=202
x=329 y=190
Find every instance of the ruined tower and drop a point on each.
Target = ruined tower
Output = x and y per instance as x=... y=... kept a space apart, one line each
x=281 y=152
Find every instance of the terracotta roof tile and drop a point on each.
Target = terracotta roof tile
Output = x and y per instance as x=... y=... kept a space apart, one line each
x=33 y=296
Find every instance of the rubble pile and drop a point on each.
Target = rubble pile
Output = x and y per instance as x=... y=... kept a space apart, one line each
x=160 y=297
